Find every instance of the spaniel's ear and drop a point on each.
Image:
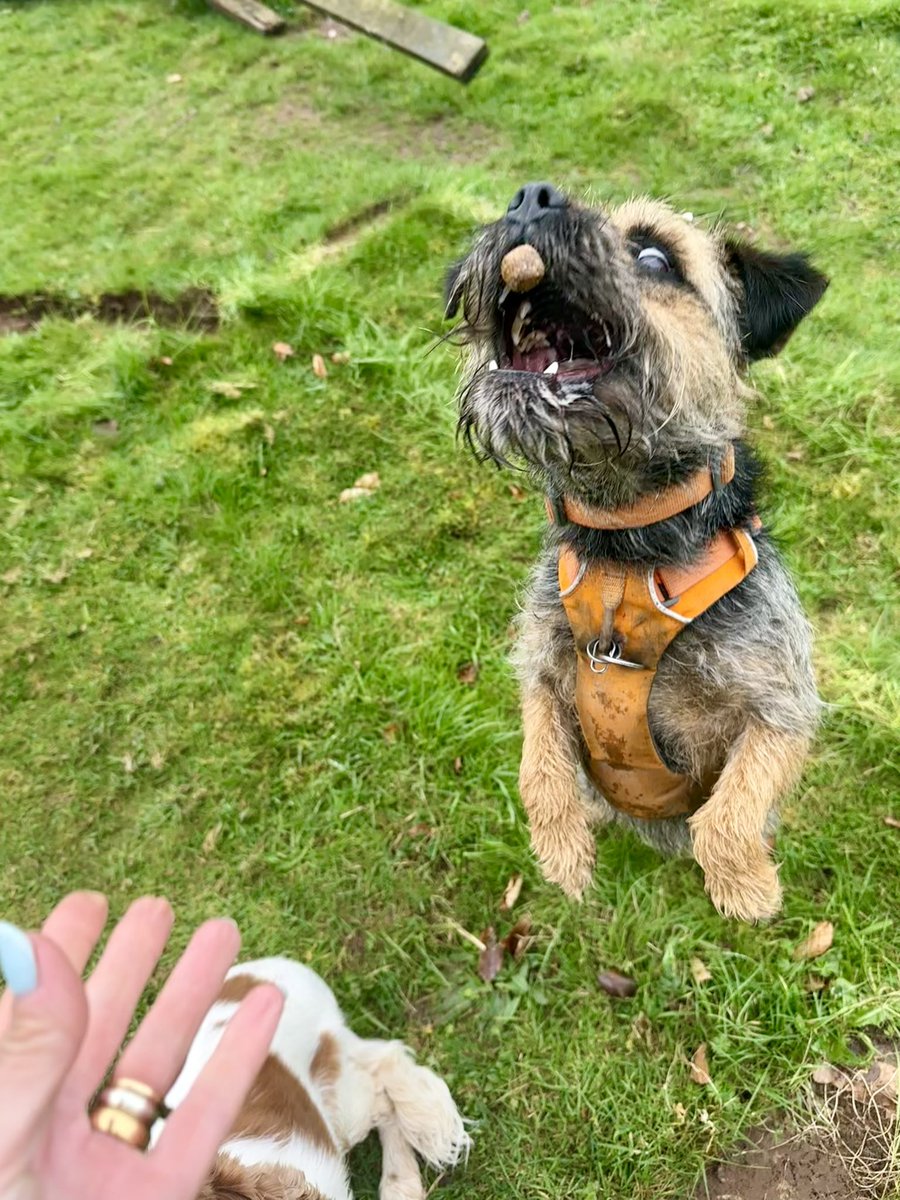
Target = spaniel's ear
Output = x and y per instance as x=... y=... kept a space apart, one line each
x=778 y=291
x=454 y=286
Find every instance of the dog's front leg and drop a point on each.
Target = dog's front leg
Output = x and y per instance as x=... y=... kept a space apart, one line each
x=729 y=831
x=559 y=817
x=401 y=1178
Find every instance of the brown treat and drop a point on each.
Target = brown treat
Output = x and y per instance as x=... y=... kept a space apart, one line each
x=522 y=269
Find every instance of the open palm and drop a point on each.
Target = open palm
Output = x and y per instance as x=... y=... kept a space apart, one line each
x=58 y=1042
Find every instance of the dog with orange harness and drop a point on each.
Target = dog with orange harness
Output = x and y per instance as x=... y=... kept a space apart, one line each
x=663 y=654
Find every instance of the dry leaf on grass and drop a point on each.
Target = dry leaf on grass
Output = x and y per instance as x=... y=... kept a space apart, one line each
x=805 y=94
x=282 y=350
x=355 y=493
x=56 y=576
x=389 y=733
x=212 y=836
x=517 y=492
x=892 y=822
x=490 y=960
x=157 y=762
x=129 y=764
x=173 y=78
x=468 y=673
x=371 y=480
x=700 y=971
x=13 y=575
x=511 y=895
x=340 y=358
x=457 y=765
x=318 y=367
x=231 y=389
x=700 y=1066
x=818 y=942
x=84 y=553
x=878 y=1082
x=106 y=428
x=518 y=940
x=164 y=360
x=615 y=984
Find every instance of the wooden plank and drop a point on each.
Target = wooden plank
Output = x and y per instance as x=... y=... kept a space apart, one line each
x=450 y=50
x=252 y=13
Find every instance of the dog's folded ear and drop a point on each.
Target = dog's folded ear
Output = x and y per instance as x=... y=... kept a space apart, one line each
x=454 y=286
x=778 y=291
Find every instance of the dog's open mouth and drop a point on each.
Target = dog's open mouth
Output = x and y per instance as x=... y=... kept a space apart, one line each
x=543 y=335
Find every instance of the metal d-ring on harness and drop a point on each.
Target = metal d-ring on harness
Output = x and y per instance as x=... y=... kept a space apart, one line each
x=612 y=657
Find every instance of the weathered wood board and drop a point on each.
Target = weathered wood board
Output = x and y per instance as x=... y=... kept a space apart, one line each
x=450 y=50
x=252 y=13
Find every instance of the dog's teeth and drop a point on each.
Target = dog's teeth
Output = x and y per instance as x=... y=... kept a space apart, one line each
x=519 y=322
x=552 y=369
x=524 y=309
x=504 y=296
x=606 y=335
x=492 y=365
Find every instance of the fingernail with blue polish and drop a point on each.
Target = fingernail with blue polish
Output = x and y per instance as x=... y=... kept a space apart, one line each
x=17 y=962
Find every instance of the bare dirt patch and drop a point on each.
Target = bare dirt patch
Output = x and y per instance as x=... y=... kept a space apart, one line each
x=848 y=1150
x=194 y=308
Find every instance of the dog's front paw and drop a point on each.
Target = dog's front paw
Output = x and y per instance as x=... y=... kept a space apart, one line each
x=740 y=878
x=566 y=857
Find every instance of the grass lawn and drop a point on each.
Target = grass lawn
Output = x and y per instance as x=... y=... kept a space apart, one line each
x=219 y=683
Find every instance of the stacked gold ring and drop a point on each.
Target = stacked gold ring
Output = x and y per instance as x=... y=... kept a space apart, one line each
x=126 y=1110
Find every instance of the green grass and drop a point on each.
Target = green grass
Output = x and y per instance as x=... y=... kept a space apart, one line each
x=246 y=695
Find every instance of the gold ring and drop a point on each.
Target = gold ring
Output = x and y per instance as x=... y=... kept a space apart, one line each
x=126 y=1110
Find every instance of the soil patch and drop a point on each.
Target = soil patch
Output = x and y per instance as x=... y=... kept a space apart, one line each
x=194 y=308
x=773 y=1169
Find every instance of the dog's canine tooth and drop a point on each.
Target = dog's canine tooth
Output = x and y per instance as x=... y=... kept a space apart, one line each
x=504 y=296
x=552 y=369
x=519 y=321
x=492 y=365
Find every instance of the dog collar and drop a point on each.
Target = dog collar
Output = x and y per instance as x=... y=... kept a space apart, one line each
x=565 y=510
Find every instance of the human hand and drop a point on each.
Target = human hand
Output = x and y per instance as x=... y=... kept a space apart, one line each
x=59 y=1037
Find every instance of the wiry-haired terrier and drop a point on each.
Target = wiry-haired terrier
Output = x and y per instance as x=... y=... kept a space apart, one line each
x=663 y=657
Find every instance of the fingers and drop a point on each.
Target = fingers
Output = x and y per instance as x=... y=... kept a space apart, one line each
x=115 y=988
x=158 y=1050
x=194 y=1131
x=48 y=1020
x=75 y=926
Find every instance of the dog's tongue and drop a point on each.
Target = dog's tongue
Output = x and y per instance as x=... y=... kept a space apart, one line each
x=533 y=360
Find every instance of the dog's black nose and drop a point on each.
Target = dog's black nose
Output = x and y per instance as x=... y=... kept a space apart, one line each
x=533 y=202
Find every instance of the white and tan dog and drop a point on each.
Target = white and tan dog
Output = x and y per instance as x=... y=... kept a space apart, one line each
x=321 y=1090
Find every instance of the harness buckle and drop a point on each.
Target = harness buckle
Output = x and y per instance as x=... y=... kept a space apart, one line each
x=611 y=658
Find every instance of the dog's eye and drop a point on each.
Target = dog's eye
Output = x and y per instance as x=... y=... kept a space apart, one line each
x=652 y=258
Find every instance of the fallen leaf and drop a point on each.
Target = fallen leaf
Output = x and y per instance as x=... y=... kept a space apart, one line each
x=892 y=822
x=389 y=733
x=56 y=576
x=282 y=350
x=355 y=493
x=318 y=365
x=457 y=765
x=129 y=764
x=700 y=1066
x=680 y=1113
x=767 y=130
x=468 y=673
x=13 y=575
x=768 y=422
x=517 y=940
x=371 y=481
x=517 y=492
x=511 y=895
x=796 y=455
x=85 y=552
x=229 y=388
x=165 y=360
x=490 y=960
x=805 y=94
x=173 y=78
x=815 y=983
x=340 y=358
x=157 y=762
x=420 y=830
x=700 y=971
x=617 y=985
x=818 y=942
x=106 y=428
x=212 y=836
x=877 y=1082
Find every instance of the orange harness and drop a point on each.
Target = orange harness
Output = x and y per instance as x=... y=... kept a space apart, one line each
x=623 y=617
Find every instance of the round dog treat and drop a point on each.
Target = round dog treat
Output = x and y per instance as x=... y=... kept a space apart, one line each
x=522 y=269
